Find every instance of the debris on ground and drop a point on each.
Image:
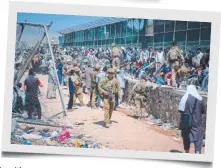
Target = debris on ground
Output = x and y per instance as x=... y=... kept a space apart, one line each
x=29 y=135
x=77 y=123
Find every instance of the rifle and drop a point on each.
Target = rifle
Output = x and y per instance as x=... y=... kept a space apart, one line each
x=109 y=90
x=110 y=94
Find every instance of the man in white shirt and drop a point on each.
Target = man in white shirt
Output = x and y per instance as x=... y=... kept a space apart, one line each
x=151 y=54
x=160 y=58
x=146 y=54
x=142 y=55
x=198 y=56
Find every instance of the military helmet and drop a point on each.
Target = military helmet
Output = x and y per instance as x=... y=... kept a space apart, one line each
x=143 y=76
x=174 y=43
x=97 y=67
x=113 y=44
x=110 y=71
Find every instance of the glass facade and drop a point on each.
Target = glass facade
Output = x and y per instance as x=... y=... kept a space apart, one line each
x=131 y=33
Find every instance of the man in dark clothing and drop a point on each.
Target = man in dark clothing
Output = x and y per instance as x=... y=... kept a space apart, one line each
x=71 y=90
x=31 y=92
x=88 y=72
x=205 y=59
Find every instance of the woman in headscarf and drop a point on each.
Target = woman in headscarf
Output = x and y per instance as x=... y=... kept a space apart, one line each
x=191 y=108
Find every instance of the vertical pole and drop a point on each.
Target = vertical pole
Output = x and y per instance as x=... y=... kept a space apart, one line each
x=22 y=29
x=164 y=29
x=138 y=31
x=200 y=36
x=154 y=21
x=174 y=30
x=126 y=34
x=115 y=33
x=59 y=87
x=186 y=37
x=131 y=35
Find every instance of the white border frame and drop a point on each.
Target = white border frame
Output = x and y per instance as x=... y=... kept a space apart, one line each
x=89 y=10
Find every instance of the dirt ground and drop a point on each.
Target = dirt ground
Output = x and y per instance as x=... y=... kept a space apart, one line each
x=125 y=132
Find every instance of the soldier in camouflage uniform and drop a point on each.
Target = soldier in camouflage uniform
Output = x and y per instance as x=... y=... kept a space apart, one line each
x=78 y=87
x=108 y=87
x=116 y=55
x=175 y=59
x=139 y=98
x=94 y=86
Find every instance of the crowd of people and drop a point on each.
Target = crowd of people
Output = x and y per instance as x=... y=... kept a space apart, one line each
x=172 y=67
x=101 y=73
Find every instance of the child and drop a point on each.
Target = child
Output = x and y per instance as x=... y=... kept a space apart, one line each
x=160 y=80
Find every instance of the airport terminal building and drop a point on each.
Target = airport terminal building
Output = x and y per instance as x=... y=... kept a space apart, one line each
x=144 y=33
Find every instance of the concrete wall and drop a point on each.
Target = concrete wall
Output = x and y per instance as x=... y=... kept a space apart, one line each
x=163 y=102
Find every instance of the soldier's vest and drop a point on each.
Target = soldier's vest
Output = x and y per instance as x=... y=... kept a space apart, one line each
x=77 y=82
x=174 y=54
x=116 y=52
x=140 y=88
x=109 y=84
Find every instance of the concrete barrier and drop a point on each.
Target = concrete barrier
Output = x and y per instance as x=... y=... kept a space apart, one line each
x=163 y=101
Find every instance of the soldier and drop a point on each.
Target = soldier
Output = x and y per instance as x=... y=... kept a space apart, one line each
x=108 y=87
x=78 y=87
x=115 y=54
x=94 y=86
x=68 y=66
x=175 y=59
x=139 y=98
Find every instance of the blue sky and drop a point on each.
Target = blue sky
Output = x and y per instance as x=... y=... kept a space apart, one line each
x=59 y=21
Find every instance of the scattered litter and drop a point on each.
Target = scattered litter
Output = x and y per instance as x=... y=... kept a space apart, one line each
x=176 y=138
x=77 y=143
x=167 y=126
x=64 y=135
x=54 y=134
x=45 y=132
x=27 y=135
x=77 y=123
x=51 y=142
x=28 y=129
x=25 y=141
x=31 y=136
